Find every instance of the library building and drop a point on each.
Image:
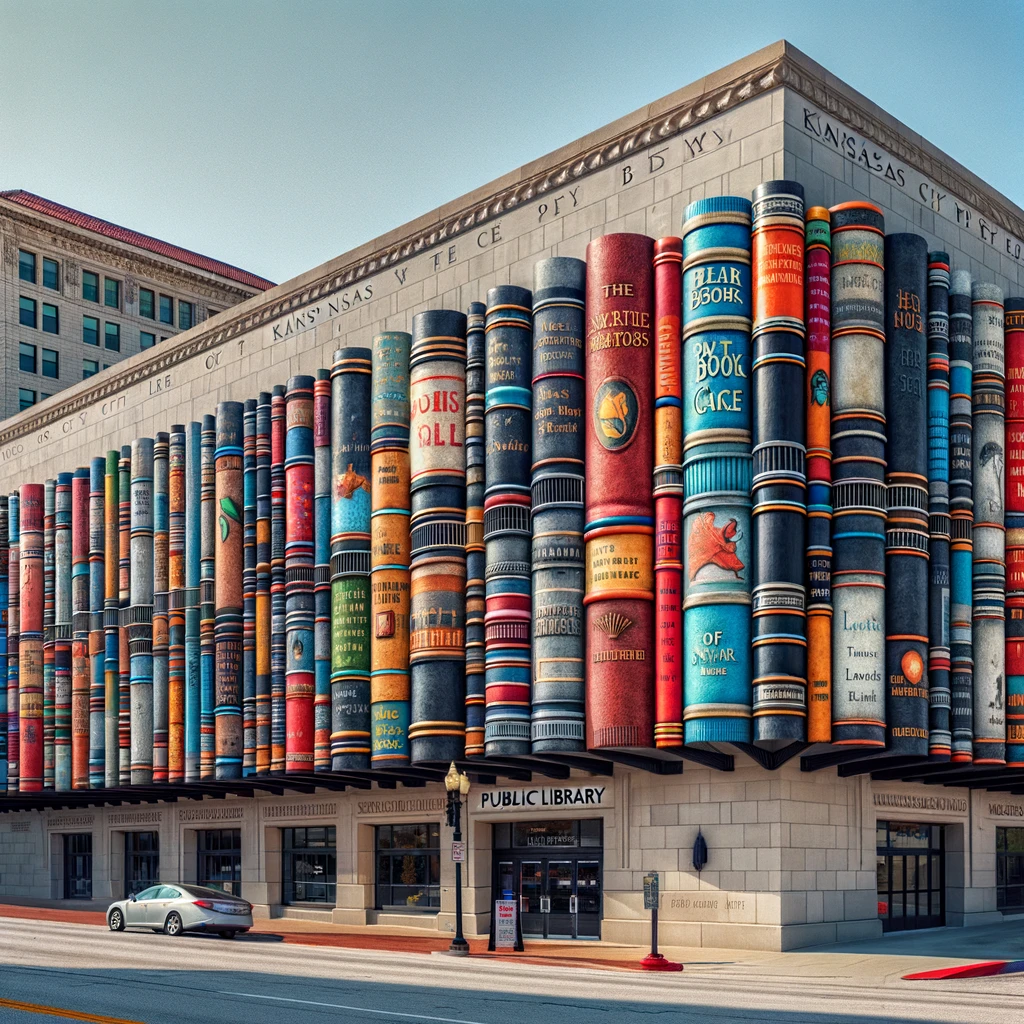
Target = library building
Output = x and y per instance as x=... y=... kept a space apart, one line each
x=646 y=510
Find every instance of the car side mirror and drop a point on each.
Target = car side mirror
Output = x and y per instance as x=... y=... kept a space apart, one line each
x=131 y=897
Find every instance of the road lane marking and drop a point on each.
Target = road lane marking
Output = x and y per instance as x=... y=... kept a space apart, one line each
x=56 y=1011
x=354 y=1009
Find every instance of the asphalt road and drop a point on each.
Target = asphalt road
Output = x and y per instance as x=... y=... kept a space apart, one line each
x=156 y=979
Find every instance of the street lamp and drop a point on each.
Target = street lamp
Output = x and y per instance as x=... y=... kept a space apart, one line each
x=457 y=784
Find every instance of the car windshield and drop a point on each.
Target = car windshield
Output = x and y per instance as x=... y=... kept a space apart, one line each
x=211 y=894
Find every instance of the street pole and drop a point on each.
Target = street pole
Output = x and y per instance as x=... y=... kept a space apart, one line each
x=456 y=784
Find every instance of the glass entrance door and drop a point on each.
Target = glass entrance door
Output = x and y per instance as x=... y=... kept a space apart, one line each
x=911 y=875
x=561 y=893
x=558 y=899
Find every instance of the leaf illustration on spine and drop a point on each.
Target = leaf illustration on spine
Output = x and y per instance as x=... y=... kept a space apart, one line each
x=228 y=506
x=225 y=526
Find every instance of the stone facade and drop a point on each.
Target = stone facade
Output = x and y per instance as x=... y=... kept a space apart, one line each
x=792 y=856
x=76 y=251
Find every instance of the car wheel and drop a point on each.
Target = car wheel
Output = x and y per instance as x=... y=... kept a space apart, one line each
x=228 y=935
x=116 y=921
x=172 y=926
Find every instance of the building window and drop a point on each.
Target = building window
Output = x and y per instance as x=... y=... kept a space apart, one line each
x=51 y=319
x=27 y=266
x=1010 y=869
x=78 y=866
x=90 y=330
x=166 y=310
x=310 y=864
x=147 y=304
x=26 y=311
x=51 y=363
x=141 y=861
x=112 y=337
x=911 y=875
x=408 y=861
x=219 y=864
x=90 y=367
x=90 y=286
x=51 y=277
x=106 y=366
x=26 y=398
x=45 y=394
x=186 y=314
x=146 y=340
x=27 y=357
x=111 y=293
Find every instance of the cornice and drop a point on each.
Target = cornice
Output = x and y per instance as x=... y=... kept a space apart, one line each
x=783 y=70
x=126 y=257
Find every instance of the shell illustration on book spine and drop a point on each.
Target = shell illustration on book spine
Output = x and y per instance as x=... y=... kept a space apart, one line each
x=557 y=563
x=717 y=569
x=859 y=502
x=619 y=532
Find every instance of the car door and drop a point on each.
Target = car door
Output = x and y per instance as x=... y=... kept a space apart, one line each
x=160 y=905
x=135 y=911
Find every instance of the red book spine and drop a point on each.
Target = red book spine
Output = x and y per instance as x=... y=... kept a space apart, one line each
x=619 y=533
x=1013 y=327
x=668 y=494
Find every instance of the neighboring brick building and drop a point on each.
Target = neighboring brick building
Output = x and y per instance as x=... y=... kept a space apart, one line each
x=78 y=294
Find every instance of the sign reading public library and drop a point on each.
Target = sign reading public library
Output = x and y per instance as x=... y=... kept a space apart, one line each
x=544 y=798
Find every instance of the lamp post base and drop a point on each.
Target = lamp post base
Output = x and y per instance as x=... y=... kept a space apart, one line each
x=459 y=947
x=656 y=962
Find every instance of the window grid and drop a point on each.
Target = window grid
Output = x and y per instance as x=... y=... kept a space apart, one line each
x=26 y=311
x=146 y=340
x=90 y=367
x=51 y=363
x=112 y=337
x=26 y=399
x=147 y=303
x=90 y=330
x=51 y=319
x=166 y=310
x=310 y=864
x=408 y=866
x=186 y=314
x=111 y=293
x=26 y=357
x=51 y=274
x=90 y=286
x=26 y=266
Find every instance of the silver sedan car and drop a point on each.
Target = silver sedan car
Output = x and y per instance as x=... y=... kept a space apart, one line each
x=174 y=909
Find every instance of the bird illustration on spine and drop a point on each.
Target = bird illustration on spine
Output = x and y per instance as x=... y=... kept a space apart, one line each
x=717 y=535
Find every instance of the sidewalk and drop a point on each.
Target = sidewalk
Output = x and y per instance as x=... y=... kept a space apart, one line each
x=868 y=961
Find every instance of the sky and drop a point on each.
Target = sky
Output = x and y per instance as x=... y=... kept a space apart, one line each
x=277 y=135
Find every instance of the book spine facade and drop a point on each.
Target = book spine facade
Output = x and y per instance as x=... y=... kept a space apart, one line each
x=207 y=608
x=322 y=469
x=97 y=638
x=389 y=550
x=249 y=588
x=161 y=620
x=476 y=551
x=227 y=591
x=668 y=492
x=175 y=600
x=508 y=432
x=961 y=511
x=717 y=464
x=62 y=633
x=298 y=554
x=80 y=676
x=11 y=682
x=140 y=611
x=779 y=483
x=988 y=440
x=351 y=377
x=278 y=725
x=4 y=557
x=263 y=548
x=818 y=314
x=939 y=735
x=906 y=526
x=858 y=475
x=193 y=533
x=619 y=531
x=437 y=626
x=557 y=712
x=124 y=572
x=49 y=662
x=30 y=639
x=1014 y=338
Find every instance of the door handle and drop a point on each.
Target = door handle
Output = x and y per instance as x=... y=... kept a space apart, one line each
x=545 y=904
x=573 y=905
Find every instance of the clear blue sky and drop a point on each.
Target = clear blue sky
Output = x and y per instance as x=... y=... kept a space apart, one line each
x=277 y=135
